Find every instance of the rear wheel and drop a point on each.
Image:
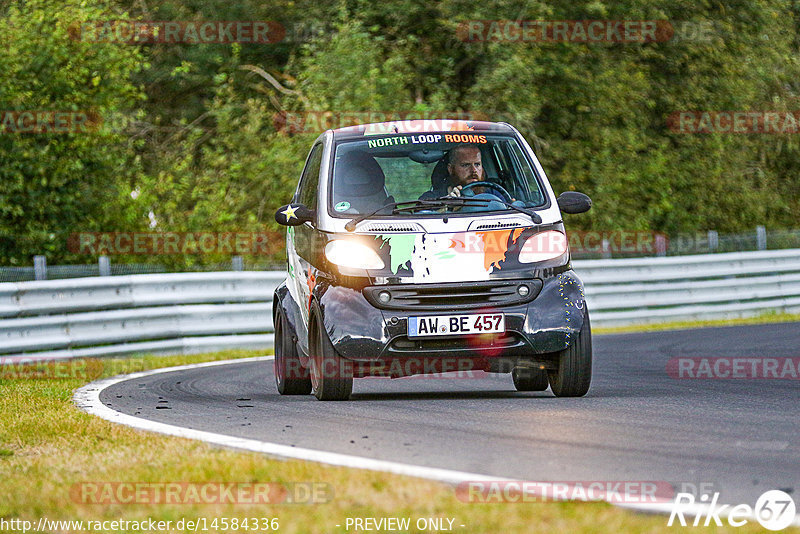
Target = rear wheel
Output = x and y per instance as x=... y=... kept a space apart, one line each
x=290 y=375
x=331 y=375
x=528 y=379
x=574 y=374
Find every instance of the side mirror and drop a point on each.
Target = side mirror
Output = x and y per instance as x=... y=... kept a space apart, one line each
x=573 y=202
x=293 y=215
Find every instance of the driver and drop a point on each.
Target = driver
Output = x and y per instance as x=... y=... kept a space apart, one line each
x=463 y=167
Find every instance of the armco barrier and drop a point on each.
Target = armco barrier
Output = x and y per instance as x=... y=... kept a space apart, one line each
x=711 y=286
x=153 y=313
x=191 y=312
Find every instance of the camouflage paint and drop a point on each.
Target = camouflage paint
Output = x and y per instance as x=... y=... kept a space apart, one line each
x=401 y=246
x=290 y=242
x=448 y=256
x=495 y=245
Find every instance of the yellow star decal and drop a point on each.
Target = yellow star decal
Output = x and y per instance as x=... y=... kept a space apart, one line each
x=289 y=212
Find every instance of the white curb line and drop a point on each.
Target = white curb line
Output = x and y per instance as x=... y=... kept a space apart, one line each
x=87 y=399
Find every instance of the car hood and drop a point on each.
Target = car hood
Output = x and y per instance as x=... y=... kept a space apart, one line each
x=467 y=256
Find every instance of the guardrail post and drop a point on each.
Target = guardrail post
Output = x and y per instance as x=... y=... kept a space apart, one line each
x=713 y=240
x=661 y=245
x=39 y=268
x=237 y=263
x=761 y=238
x=606 y=249
x=105 y=266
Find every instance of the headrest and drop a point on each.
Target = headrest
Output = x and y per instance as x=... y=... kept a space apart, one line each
x=440 y=176
x=358 y=174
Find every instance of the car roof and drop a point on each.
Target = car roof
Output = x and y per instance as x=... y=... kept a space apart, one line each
x=420 y=127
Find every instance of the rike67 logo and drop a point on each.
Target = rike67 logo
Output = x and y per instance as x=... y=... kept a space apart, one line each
x=774 y=510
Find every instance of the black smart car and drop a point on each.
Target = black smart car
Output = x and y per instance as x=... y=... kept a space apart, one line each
x=426 y=247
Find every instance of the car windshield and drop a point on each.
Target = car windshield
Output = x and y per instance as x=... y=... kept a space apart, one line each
x=387 y=169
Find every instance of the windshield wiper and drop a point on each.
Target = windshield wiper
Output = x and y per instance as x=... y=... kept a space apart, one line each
x=412 y=205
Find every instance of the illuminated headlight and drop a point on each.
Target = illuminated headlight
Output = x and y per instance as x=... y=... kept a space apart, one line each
x=351 y=254
x=543 y=246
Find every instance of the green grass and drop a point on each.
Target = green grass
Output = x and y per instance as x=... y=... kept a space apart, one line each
x=48 y=446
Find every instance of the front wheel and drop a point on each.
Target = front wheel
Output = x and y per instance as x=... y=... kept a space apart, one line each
x=290 y=375
x=331 y=375
x=574 y=374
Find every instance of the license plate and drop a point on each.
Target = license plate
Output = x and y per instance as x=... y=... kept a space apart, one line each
x=448 y=325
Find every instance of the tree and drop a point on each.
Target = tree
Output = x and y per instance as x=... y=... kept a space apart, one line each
x=53 y=184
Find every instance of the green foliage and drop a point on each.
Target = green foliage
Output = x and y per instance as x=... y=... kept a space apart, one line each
x=599 y=114
x=227 y=173
x=52 y=184
x=205 y=153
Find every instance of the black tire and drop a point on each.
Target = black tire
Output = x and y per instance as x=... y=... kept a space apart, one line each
x=290 y=375
x=574 y=374
x=331 y=375
x=528 y=379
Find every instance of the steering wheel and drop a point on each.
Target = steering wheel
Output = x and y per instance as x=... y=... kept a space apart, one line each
x=491 y=185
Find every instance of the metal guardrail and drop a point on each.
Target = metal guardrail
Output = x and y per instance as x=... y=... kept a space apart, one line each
x=191 y=312
x=144 y=290
x=154 y=313
x=712 y=286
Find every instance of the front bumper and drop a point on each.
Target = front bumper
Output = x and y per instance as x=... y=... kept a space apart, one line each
x=362 y=332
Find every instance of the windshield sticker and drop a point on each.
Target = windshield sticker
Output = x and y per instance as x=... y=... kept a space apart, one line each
x=387 y=141
x=463 y=138
x=417 y=139
x=425 y=139
x=342 y=206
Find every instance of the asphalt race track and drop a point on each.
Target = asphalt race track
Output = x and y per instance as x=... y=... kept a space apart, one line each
x=739 y=437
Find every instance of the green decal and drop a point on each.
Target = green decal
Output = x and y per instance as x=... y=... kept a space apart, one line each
x=342 y=206
x=448 y=254
x=401 y=246
x=290 y=233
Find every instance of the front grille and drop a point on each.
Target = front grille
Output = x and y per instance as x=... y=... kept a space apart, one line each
x=453 y=296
